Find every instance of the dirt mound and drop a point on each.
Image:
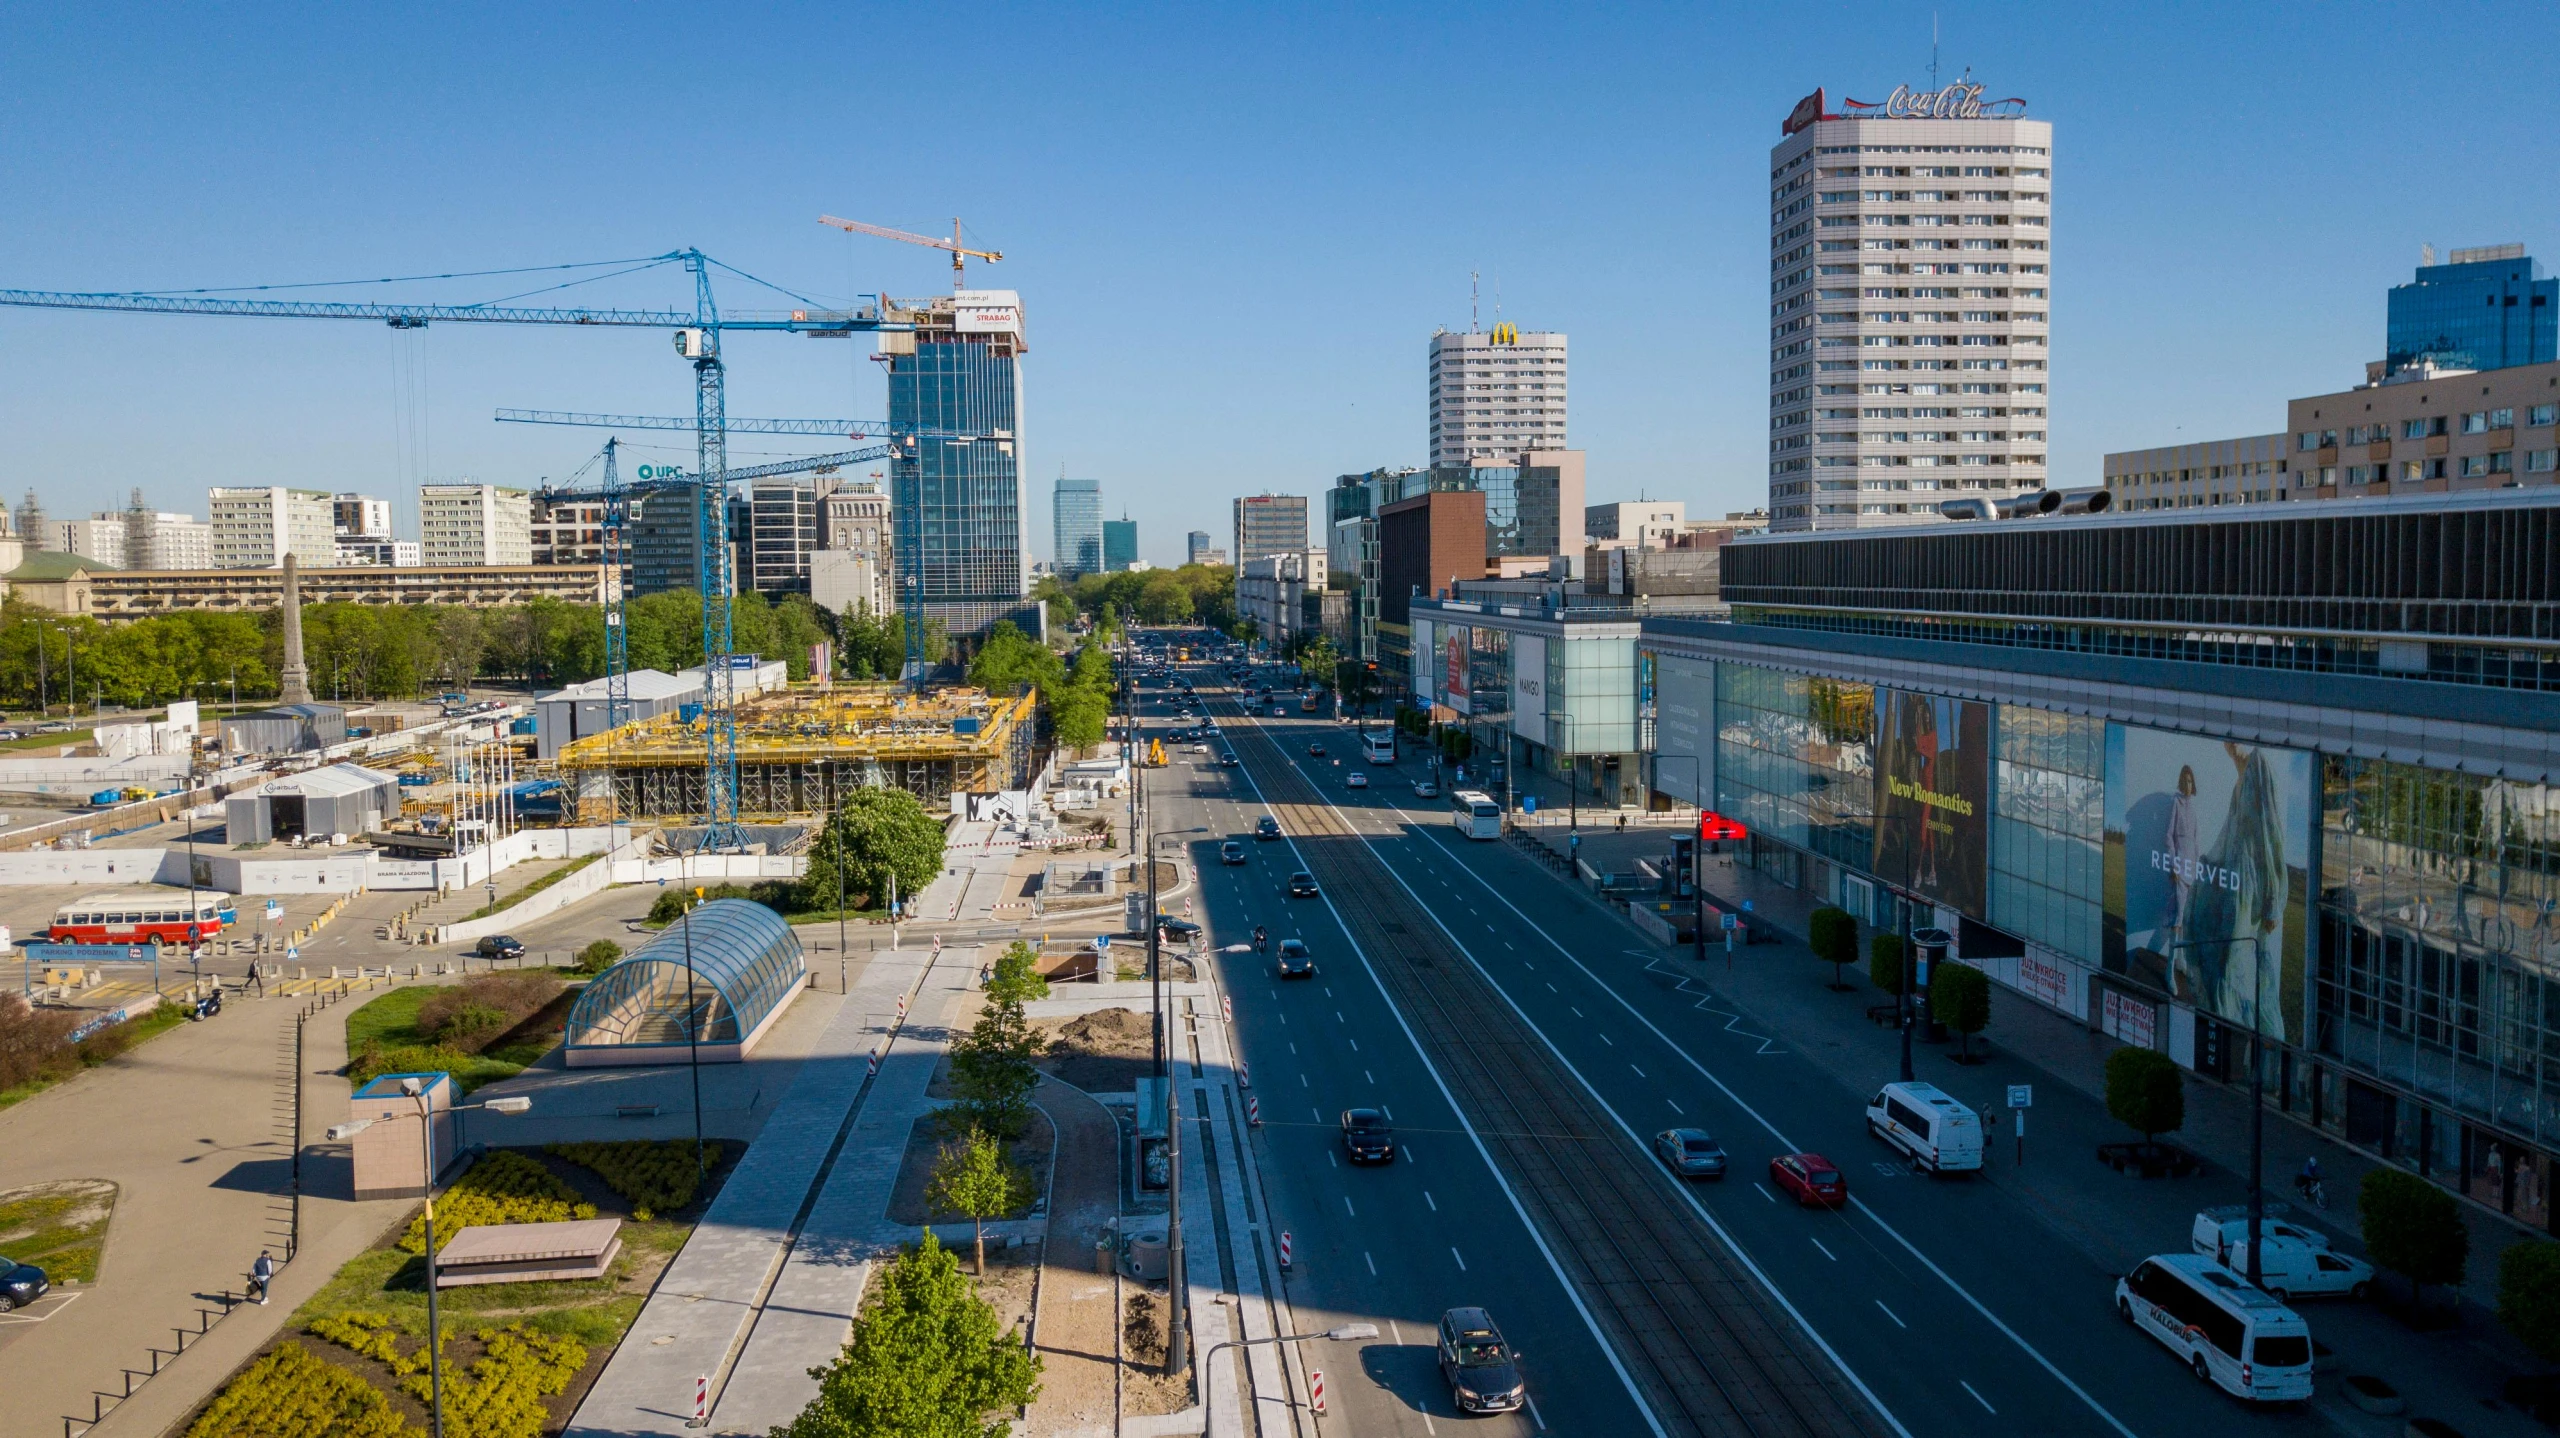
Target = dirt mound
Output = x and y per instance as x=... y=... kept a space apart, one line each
x=1108 y=1029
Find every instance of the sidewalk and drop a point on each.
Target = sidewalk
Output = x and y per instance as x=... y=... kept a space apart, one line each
x=1782 y=988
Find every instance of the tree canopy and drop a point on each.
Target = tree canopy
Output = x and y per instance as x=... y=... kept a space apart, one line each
x=927 y=1360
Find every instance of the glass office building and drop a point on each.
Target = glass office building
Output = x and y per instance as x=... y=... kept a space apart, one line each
x=2491 y=308
x=1119 y=544
x=2290 y=769
x=955 y=399
x=1076 y=527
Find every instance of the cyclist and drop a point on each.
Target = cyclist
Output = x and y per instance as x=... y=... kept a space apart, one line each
x=2307 y=1182
x=1261 y=939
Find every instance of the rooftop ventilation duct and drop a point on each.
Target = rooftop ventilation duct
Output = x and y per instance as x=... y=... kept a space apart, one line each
x=2029 y=504
x=1965 y=508
x=2087 y=501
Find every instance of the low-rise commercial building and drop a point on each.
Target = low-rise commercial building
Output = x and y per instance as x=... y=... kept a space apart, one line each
x=129 y=594
x=1271 y=591
x=1547 y=688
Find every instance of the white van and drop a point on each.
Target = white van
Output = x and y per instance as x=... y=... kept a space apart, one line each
x=2217 y=1229
x=1937 y=1132
x=2290 y=1269
x=2240 y=1339
x=1476 y=815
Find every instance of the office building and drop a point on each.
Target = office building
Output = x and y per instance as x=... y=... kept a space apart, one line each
x=1267 y=524
x=1271 y=591
x=1496 y=392
x=360 y=516
x=158 y=539
x=851 y=571
x=1351 y=544
x=567 y=527
x=133 y=593
x=255 y=528
x=400 y=553
x=1196 y=548
x=101 y=538
x=956 y=498
x=2247 y=470
x=474 y=524
x=1075 y=516
x=1119 y=544
x=2426 y=430
x=1912 y=263
x=2488 y=308
x=1426 y=545
x=782 y=532
x=666 y=536
x=1633 y=523
x=2282 y=768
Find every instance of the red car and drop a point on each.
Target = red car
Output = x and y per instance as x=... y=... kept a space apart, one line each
x=1810 y=1178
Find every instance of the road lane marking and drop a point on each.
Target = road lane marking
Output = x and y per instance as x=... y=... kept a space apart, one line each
x=1427 y=1198
x=1676 y=1108
x=1639 y=1072
x=1355 y=1046
x=1364 y=1073
x=1604 y=1038
x=1764 y=1193
x=1347 y=1208
x=1978 y=1398
x=1533 y=1410
x=1302 y=1082
x=1462 y=1259
x=1827 y=1253
x=1373 y=1263
x=1889 y=1313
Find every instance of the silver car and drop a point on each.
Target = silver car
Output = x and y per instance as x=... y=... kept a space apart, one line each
x=1691 y=1152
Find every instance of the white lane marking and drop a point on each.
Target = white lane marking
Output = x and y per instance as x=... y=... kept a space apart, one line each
x=1639 y=1072
x=1889 y=1313
x=1364 y=1073
x=1552 y=989
x=1573 y=1295
x=1293 y=1048
x=2047 y=1364
x=1355 y=1046
x=1827 y=1253
x=1675 y=1108
x=1329 y=1159
x=1427 y=1198
x=1347 y=1208
x=1462 y=1259
x=1396 y=1333
x=1319 y=1113
x=1373 y=1263
x=1978 y=1398
x=1604 y=1038
x=1338 y=1018
x=1533 y=1405
x=1506 y=943
x=1764 y=1193
x=1302 y=1082
x=1390 y=1113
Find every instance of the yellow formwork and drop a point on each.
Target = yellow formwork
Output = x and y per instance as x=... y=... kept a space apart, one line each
x=845 y=724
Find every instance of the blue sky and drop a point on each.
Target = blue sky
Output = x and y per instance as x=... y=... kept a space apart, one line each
x=1234 y=228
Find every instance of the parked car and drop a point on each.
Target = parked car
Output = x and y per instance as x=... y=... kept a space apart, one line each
x=1266 y=827
x=1367 y=1136
x=498 y=946
x=1302 y=885
x=1231 y=852
x=1294 y=961
x=1482 y=1372
x=2217 y=1229
x=1691 y=1152
x=2290 y=1269
x=1357 y=780
x=21 y=1284
x=1810 y=1179
x=1180 y=931
x=1929 y=1126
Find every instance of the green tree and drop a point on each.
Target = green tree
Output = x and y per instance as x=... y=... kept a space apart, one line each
x=1833 y=936
x=1884 y=961
x=2145 y=1093
x=927 y=1360
x=1164 y=599
x=1016 y=978
x=1011 y=658
x=886 y=832
x=2529 y=1296
x=975 y=1178
x=992 y=1072
x=1960 y=998
x=599 y=956
x=2414 y=1228
x=1319 y=661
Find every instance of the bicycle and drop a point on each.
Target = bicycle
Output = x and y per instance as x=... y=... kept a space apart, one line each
x=2313 y=1192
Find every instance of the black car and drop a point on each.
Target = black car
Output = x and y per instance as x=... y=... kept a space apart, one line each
x=1266 y=828
x=1231 y=852
x=1367 y=1136
x=1294 y=961
x=1228 y=760
x=1482 y=1371
x=498 y=946
x=1316 y=749
x=1302 y=885
x=21 y=1284
x=1180 y=931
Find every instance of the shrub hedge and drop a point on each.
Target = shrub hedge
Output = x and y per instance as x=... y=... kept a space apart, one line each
x=292 y=1393
x=500 y=1395
x=501 y=1187
x=656 y=1177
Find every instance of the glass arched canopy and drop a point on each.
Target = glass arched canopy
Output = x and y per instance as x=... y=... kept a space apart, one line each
x=745 y=964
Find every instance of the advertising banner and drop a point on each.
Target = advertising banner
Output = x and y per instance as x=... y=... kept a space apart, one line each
x=1684 y=706
x=1453 y=678
x=1933 y=797
x=1425 y=670
x=1529 y=687
x=2207 y=878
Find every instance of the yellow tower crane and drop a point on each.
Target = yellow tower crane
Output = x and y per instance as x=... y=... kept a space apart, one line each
x=960 y=254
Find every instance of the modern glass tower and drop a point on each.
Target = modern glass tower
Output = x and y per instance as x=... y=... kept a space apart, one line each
x=955 y=389
x=1076 y=517
x=2491 y=308
x=1119 y=543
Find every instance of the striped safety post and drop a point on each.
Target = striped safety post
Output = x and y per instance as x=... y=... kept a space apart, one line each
x=1315 y=1388
x=1253 y=1112
x=1227 y=1005
x=874 y=1067
x=701 y=1401
x=1244 y=1074
x=902 y=1006
x=1284 y=1250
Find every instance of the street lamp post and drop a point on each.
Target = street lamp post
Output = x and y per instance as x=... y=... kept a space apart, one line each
x=2257 y=1084
x=1340 y=1333
x=828 y=768
x=693 y=1039
x=416 y=1092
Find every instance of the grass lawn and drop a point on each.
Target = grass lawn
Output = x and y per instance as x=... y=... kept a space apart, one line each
x=391 y=1020
x=59 y=1227
x=536 y=887
x=150 y=1026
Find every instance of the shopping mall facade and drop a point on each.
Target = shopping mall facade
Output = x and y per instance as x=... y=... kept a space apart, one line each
x=2180 y=775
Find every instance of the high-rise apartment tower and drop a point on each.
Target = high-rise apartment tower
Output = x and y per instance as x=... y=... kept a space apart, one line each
x=1910 y=280
x=1495 y=393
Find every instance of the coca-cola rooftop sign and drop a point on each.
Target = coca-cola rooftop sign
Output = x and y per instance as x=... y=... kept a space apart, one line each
x=1959 y=101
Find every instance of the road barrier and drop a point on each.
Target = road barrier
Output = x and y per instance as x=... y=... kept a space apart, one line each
x=1315 y=1389
x=1284 y=1250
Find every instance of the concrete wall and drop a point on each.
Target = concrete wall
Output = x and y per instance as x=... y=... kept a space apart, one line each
x=593 y=879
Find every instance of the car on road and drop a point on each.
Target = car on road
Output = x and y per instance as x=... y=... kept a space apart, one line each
x=21 y=1284
x=1231 y=852
x=1482 y=1372
x=1294 y=961
x=1426 y=788
x=1210 y=729
x=1180 y=931
x=1357 y=780
x=1302 y=885
x=498 y=946
x=1266 y=827
x=1810 y=1179
x=1315 y=750
x=1367 y=1136
x=1691 y=1152
x=1228 y=760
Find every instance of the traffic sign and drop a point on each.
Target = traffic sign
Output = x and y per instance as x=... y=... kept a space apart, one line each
x=1730 y=920
x=292 y=953
x=2022 y=1095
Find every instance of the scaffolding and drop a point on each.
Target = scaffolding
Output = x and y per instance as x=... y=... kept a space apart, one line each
x=799 y=749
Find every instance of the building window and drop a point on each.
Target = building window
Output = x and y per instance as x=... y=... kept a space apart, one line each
x=2476 y=422
x=2543 y=414
x=2502 y=419
x=2541 y=461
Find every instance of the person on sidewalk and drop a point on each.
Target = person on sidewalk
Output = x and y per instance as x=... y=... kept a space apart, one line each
x=262 y=1275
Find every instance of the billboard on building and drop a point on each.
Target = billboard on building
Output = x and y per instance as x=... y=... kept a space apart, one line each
x=1453 y=678
x=1933 y=797
x=1529 y=687
x=2208 y=873
x=987 y=312
x=1425 y=672
x=1684 y=740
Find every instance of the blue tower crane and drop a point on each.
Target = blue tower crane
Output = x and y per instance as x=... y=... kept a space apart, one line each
x=697 y=339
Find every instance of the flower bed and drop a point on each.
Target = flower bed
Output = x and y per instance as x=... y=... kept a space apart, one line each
x=655 y=1177
x=501 y=1187
x=292 y=1392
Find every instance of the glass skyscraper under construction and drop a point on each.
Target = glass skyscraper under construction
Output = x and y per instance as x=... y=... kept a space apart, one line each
x=955 y=387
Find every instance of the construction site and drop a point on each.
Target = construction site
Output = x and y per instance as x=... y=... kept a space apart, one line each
x=798 y=749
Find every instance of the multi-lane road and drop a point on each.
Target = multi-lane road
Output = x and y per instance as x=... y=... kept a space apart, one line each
x=1528 y=1046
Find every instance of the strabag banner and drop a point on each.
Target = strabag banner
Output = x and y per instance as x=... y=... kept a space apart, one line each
x=1933 y=797
x=2208 y=873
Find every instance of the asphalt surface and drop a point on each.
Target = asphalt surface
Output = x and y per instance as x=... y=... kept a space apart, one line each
x=1954 y=1308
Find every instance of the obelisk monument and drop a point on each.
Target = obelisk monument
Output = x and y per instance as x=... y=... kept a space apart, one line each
x=297 y=675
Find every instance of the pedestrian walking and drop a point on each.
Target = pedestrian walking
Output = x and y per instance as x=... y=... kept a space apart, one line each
x=262 y=1275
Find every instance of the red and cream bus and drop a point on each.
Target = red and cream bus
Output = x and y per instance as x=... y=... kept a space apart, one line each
x=142 y=917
